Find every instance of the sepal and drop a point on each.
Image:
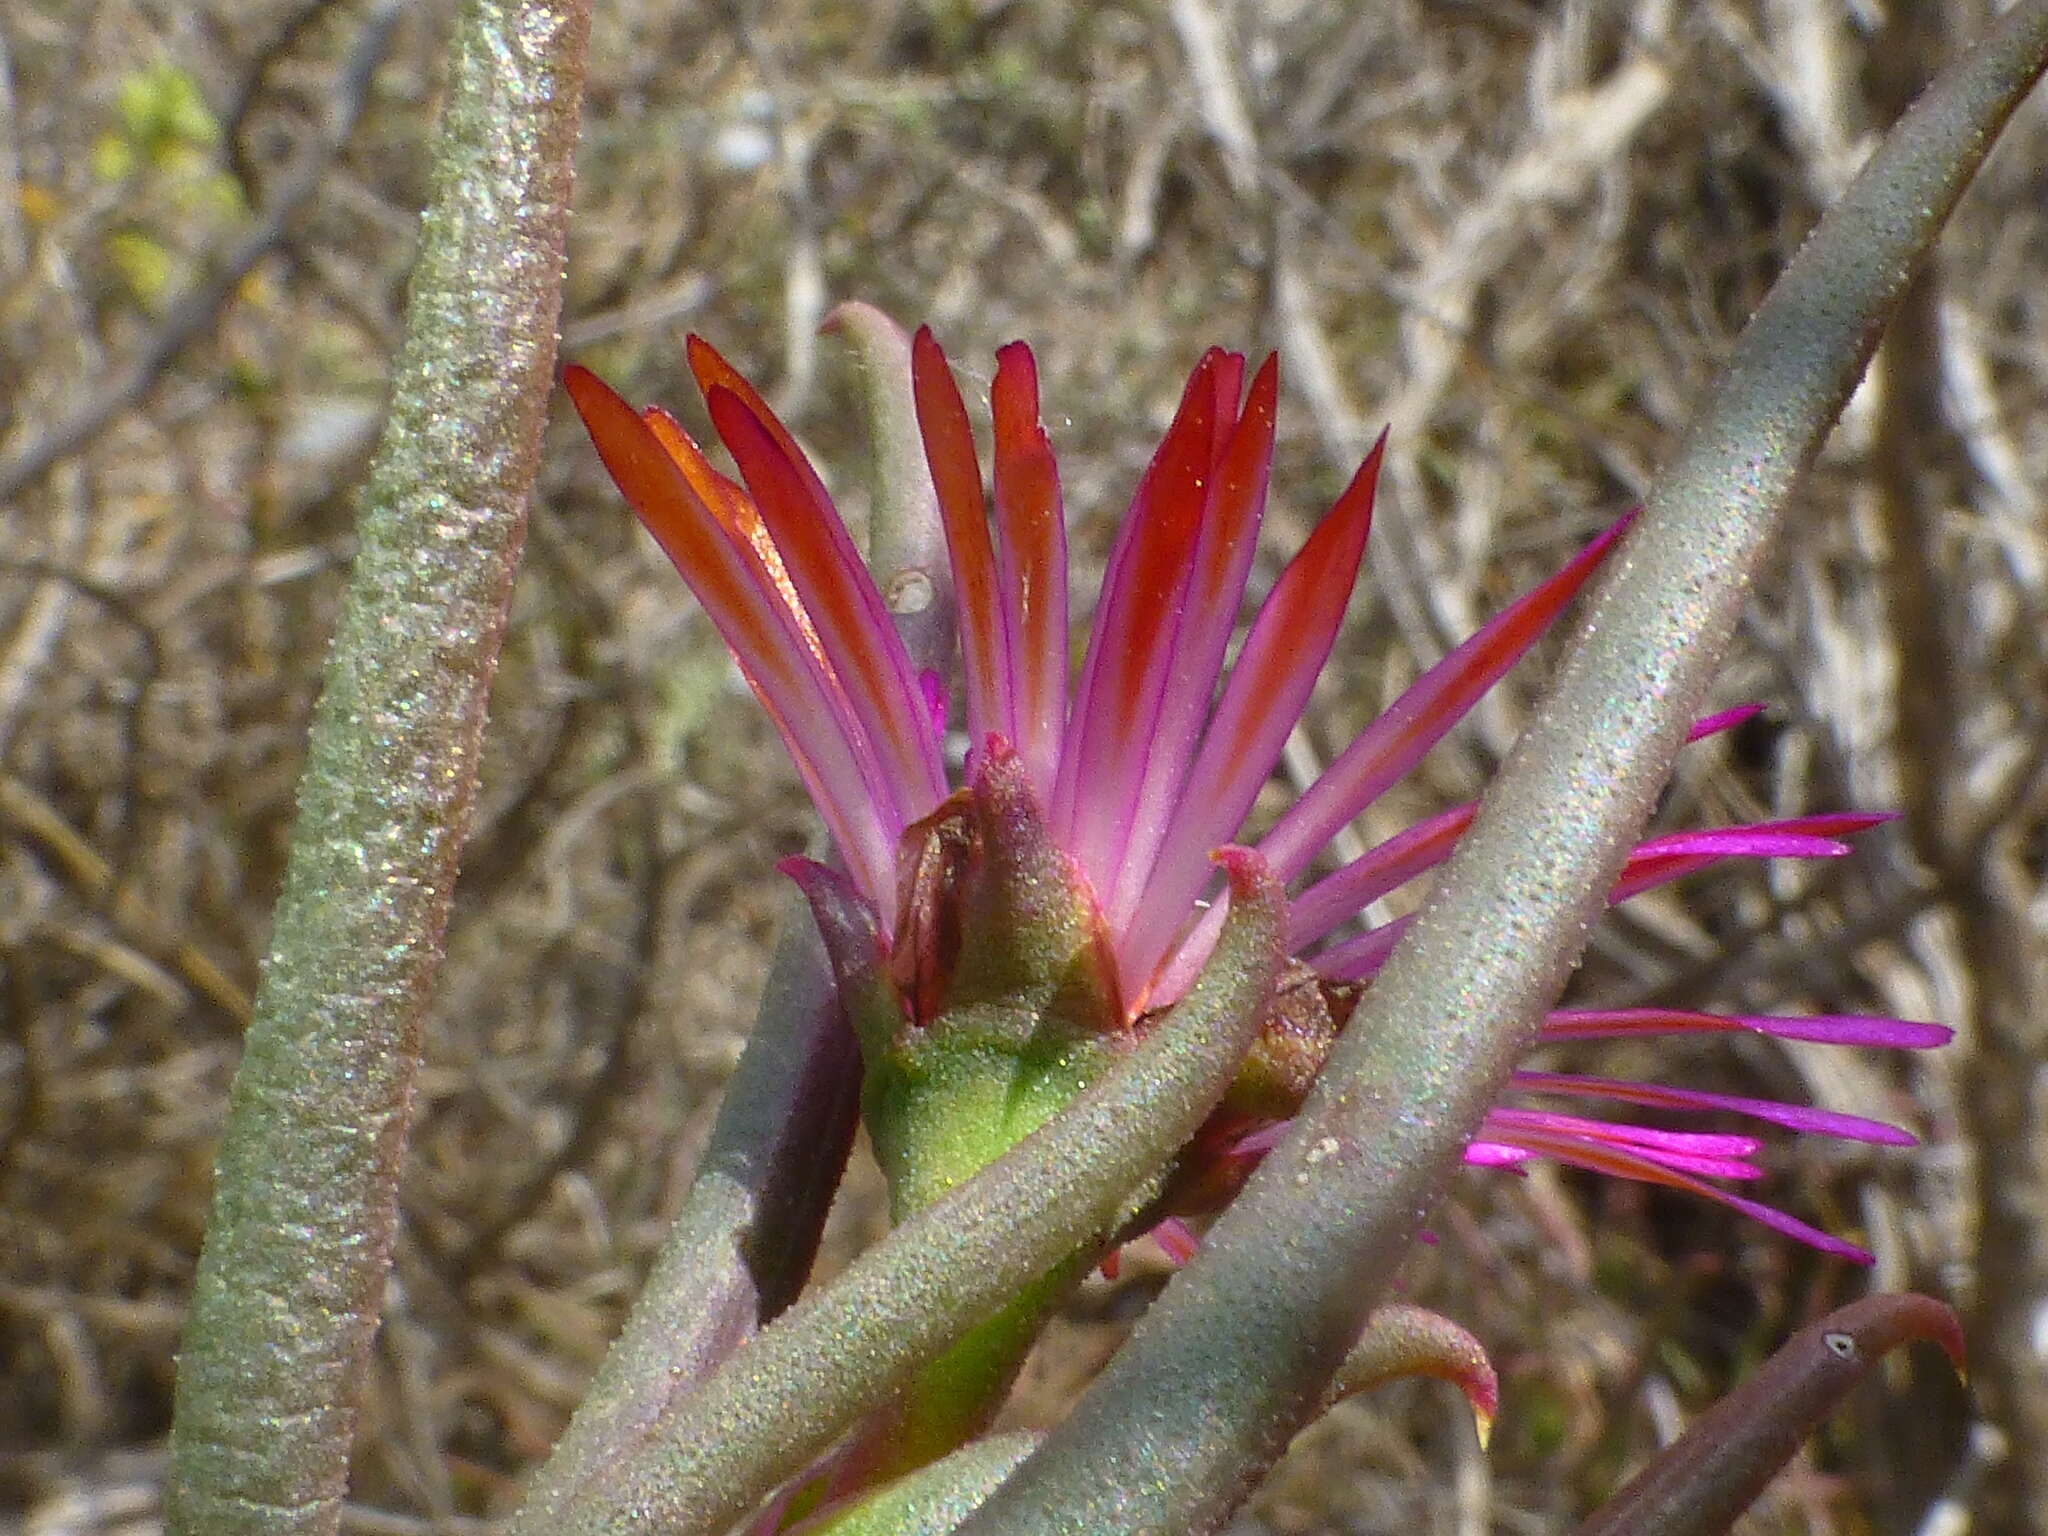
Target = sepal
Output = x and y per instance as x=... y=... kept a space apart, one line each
x=859 y=956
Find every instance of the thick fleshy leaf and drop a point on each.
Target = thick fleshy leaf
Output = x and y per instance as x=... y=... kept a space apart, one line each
x=956 y=475
x=752 y=616
x=715 y=1452
x=1269 y=686
x=906 y=537
x=1700 y=1484
x=1130 y=647
x=844 y=607
x=1385 y=750
x=929 y=1502
x=1031 y=557
x=1403 y=1340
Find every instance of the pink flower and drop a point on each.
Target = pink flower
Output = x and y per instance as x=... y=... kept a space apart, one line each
x=1150 y=757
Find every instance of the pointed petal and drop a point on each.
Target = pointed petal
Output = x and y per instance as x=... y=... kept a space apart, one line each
x=1655 y=863
x=1343 y=895
x=1177 y=1240
x=1823 y=1029
x=1130 y=649
x=725 y=497
x=753 y=618
x=1032 y=560
x=1705 y=1155
x=712 y=371
x=1794 y=1117
x=730 y=504
x=956 y=475
x=1360 y=957
x=1623 y=1163
x=1662 y=860
x=1495 y=1154
x=1416 y=721
x=1269 y=687
x=1229 y=536
x=851 y=621
x=1726 y=720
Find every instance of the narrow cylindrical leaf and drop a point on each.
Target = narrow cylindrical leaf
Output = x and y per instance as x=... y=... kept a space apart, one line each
x=305 y=1200
x=1715 y=1470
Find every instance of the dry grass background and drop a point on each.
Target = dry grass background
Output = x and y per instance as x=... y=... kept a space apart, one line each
x=1521 y=232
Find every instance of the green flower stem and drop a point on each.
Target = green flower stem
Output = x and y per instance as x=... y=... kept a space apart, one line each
x=964 y=1108
x=293 y=1269
x=932 y=1502
x=951 y=1400
x=791 y=1390
x=1235 y=1355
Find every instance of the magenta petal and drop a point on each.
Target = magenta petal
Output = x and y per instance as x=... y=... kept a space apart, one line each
x=1176 y=1240
x=1130 y=648
x=1360 y=957
x=1234 y=505
x=1795 y=1117
x=1824 y=1029
x=1255 y=1144
x=1625 y=1163
x=1662 y=860
x=1416 y=721
x=1726 y=720
x=1513 y=1123
x=1268 y=688
x=1343 y=895
x=1494 y=1154
x=1742 y=843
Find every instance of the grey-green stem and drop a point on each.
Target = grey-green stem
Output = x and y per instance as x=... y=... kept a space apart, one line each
x=305 y=1200
x=1235 y=1355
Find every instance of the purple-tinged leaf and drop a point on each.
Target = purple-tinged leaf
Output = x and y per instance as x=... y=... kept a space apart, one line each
x=1716 y=1469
